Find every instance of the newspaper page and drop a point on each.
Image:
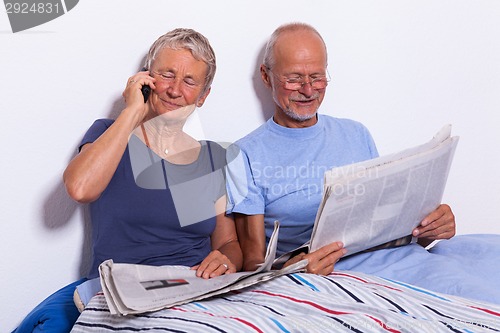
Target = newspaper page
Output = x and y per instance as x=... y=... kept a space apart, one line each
x=380 y=200
x=133 y=289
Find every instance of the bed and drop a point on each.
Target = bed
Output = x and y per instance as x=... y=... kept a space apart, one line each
x=343 y=301
x=452 y=287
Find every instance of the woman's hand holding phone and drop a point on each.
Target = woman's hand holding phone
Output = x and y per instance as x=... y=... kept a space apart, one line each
x=146 y=89
x=137 y=92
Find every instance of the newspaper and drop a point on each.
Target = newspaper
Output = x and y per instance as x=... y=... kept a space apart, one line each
x=133 y=289
x=373 y=202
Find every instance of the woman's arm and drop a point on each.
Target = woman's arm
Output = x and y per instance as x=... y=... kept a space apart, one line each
x=89 y=172
x=226 y=256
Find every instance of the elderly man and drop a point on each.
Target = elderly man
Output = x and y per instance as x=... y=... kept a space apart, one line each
x=284 y=159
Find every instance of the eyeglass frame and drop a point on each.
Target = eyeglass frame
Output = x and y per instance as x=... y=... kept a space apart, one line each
x=327 y=78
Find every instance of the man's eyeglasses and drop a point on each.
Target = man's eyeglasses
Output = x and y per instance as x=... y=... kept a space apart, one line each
x=169 y=77
x=298 y=81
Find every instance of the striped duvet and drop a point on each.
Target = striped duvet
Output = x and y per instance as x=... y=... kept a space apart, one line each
x=341 y=302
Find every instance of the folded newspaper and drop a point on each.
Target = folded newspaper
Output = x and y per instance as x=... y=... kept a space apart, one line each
x=133 y=289
x=373 y=202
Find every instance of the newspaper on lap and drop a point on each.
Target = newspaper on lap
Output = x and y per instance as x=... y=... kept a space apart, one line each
x=133 y=289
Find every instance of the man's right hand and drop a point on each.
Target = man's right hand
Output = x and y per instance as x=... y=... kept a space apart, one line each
x=321 y=261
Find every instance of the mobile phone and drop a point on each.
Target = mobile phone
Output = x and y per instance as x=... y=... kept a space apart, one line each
x=146 y=90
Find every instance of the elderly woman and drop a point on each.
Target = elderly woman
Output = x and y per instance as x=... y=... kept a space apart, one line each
x=156 y=194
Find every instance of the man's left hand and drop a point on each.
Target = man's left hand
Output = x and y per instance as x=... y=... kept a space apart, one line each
x=440 y=224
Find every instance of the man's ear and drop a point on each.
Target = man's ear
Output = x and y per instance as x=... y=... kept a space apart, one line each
x=201 y=100
x=265 y=76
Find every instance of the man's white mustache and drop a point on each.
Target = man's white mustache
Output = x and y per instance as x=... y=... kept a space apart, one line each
x=305 y=99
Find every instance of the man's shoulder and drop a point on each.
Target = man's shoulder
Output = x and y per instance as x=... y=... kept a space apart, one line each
x=343 y=122
x=252 y=137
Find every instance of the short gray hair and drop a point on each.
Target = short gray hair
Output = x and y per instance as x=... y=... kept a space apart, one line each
x=187 y=39
x=269 y=60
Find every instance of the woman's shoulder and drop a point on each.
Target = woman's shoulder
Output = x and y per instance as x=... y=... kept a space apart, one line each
x=100 y=125
x=216 y=146
x=97 y=128
x=106 y=122
x=217 y=151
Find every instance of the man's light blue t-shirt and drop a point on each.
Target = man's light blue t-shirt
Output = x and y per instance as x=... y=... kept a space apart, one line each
x=278 y=171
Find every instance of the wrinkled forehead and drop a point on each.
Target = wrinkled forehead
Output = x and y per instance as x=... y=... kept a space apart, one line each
x=299 y=50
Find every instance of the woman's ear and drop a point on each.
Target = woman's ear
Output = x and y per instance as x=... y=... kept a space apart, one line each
x=202 y=98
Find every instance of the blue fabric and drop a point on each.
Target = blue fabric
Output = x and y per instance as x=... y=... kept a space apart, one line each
x=89 y=289
x=56 y=314
x=141 y=224
x=466 y=266
x=284 y=170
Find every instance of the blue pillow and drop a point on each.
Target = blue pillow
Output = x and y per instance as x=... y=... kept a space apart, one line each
x=56 y=314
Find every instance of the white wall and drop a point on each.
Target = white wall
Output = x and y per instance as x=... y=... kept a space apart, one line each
x=404 y=68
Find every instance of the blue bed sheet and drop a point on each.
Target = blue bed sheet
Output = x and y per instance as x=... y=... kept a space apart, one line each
x=466 y=266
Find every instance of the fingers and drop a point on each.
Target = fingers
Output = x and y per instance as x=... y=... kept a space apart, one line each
x=215 y=264
x=439 y=224
x=323 y=260
x=132 y=92
x=141 y=78
x=436 y=230
x=436 y=215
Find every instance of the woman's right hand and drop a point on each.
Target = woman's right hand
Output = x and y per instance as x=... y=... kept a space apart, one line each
x=215 y=264
x=133 y=93
x=89 y=173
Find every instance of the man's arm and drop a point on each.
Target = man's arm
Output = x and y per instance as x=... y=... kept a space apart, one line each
x=252 y=238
